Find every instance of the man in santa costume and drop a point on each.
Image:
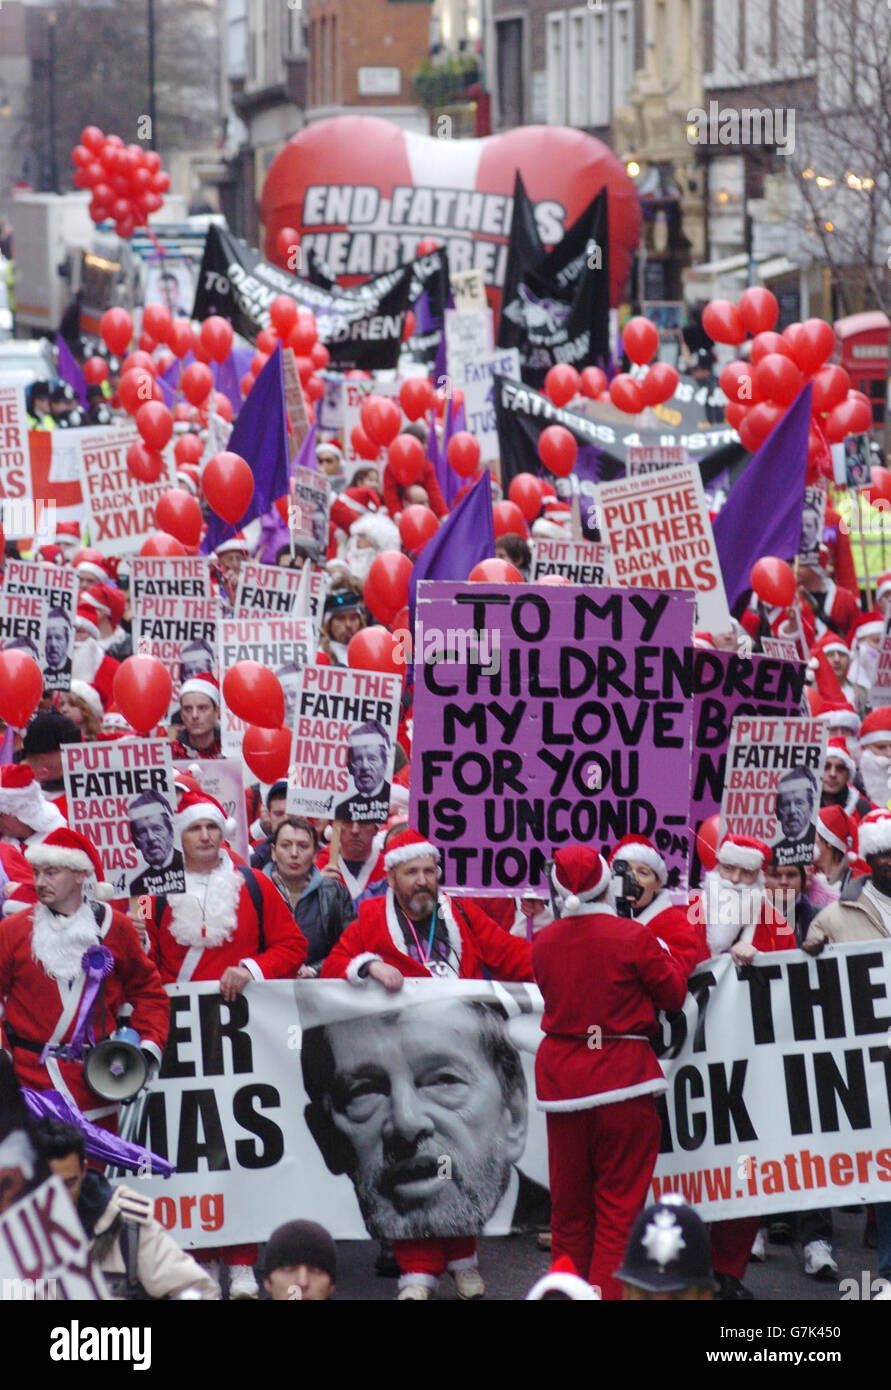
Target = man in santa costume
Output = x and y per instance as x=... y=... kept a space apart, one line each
x=740 y=918
x=638 y=891
x=866 y=639
x=839 y=771
x=602 y=978
x=230 y=925
x=416 y=930
x=52 y=956
x=875 y=754
x=26 y=818
x=838 y=654
x=89 y=660
x=199 y=703
x=835 y=854
x=360 y=864
x=229 y=557
x=109 y=605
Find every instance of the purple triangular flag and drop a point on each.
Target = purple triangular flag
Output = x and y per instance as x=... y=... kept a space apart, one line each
x=466 y=536
x=69 y=370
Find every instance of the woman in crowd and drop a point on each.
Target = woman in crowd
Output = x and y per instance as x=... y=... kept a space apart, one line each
x=319 y=902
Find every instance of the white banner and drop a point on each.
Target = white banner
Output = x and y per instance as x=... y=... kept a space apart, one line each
x=477 y=380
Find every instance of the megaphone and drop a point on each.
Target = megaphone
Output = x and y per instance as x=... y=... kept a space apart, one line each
x=116 y=1069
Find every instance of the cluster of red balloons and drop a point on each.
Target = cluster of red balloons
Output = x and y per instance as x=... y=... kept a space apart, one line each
x=296 y=328
x=126 y=181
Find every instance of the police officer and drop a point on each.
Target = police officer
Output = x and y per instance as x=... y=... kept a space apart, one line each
x=63 y=407
x=668 y=1257
x=97 y=412
x=38 y=405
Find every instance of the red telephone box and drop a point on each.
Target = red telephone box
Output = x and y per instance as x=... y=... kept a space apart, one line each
x=861 y=347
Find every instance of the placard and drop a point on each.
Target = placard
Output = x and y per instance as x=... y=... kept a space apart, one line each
x=120 y=510
x=478 y=384
x=285 y=645
x=181 y=632
x=222 y=778
x=45 y=1253
x=772 y=784
x=581 y=562
x=170 y=576
x=281 y=592
x=309 y=509
x=295 y=405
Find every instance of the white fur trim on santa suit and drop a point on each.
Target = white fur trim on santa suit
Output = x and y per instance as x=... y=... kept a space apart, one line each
x=205 y=811
x=379 y=529
x=404 y=854
x=196 y=686
x=16 y=1152
x=356 y=965
x=94 y=571
x=642 y=1088
x=89 y=695
x=841 y=719
x=661 y=903
x=871 y=629
x=28 y=804
x=443 y=907
x=194 y=929
x=874 y=836
x=643 y=854
x=738 y=857
x=74 y=859
x=572 y=1285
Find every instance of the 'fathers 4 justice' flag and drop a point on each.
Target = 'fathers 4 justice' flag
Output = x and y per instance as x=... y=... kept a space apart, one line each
x=660 y=537
x=285 y=645
x=581 y=562
x=726 y=685
x=772 y=784
x=122 y=797
x=170 y=576
x=120 y=511
x=308 y=511
x=478 y=384
x=344 y=743
x=549 y=716
x=181 y=632
x=361 y=327
x=428 y=296
x=281 y=593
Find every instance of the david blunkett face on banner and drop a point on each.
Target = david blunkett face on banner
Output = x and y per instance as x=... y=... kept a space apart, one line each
x=424 y=1109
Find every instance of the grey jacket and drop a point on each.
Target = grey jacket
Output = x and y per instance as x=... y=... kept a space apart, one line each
x=852 y=918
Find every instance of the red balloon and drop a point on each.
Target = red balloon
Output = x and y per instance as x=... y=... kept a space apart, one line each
x=774 y=582
x=267 y=752
x=116 y=330
x=640 y=340
x=778 y=378
x=188 y=449
x=495 y=572
x=303 y=336
x=386 y=587
x=305 y=369
x=707 y=838
x=417 y=525
x=146 y=343
x=258 y=362
x=220 y=405
x=254 y=694
x=562 y=383
x=594 y=382
x=287 y=241
x=145 y=465
x=766 y=343
x=758 y=309
x=267 y=341
x=813 y=344
x=376 y=649
x=850 y=416
x=142 y=689
x=216 y=337
x=135 y=388
x=880 y=483
x=722 y=323
x=763 y=417
x=409 y=326
x=363 y=445
x=283 y=314
x=558 y=450
x=21 y=687
x=155 y=423
x=659 y=384
x=739 y=383
x=625 y=394
x=92 y=137
x=509 y=520
x=320 y=356
x=525 y=492
x=426 y=246
x=177 y=512
x=553 y=579
x=197 y=383
x=228 y=484
x=416 y=396
x=735 y=413
x=162 y=544
x=140 y=359
x=95 y=371
x=749 y=437
x=180 y=339
x=164 y=361
x=198 y=350
x=406 y=459
x=829 y=389
x=157 y=320
x=381 y=419
x=245 y=383
x=463 y=454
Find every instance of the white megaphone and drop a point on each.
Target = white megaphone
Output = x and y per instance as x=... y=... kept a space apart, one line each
x=116 y=1069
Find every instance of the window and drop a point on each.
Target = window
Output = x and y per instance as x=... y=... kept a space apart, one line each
x=556 y=68
x=578 y=68
x=325 y=64
x=599 y=67
x=510 y=71
x=623 y=54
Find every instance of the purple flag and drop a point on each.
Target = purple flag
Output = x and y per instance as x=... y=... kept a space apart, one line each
x=466 y=537
x=69 y=370
x=227 y=375
x=455 y=422
x=762 y=515
x=260 y=436
x=306 y=457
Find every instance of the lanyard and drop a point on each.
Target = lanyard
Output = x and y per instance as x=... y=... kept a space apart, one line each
x=424 y=955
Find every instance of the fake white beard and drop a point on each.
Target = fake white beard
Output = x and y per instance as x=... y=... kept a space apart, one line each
x=86 y=658
x=216 y=924
x=874 y=768
x=357 y=560
x=864 y=666
x=58 y=943
x=339 y=651
x=729 y=908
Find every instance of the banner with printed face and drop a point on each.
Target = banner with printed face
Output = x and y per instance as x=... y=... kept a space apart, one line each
x=173 y=576
x=57 y=584
x=545 y=716
x=477 y=381
x=344 y=744
x=581 y=562
x=121 y=796
x=45 y=1253
x=181 y=632
x=120 y=510
x=726 y=685
x=23 y=627
x=812 y=513
x=308 y=511
x=285 y=645
x=777 y=1099
x=281 y=593
x=222 y=778
x=772 y=784
x=660 y=537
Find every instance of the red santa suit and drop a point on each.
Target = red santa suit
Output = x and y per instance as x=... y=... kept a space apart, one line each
x=372 y=871
x=42 y=982
x=675 y=927
x=471 y=943
x=597 y=970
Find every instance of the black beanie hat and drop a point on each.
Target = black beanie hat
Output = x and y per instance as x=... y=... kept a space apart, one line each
x=301 y=1243
x=47 y=732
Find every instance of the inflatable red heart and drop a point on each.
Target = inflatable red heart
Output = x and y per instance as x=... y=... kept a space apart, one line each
x=363 y=193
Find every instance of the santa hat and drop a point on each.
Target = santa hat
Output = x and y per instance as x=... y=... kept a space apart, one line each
x=876 y=727
x=638 y=849
x=868 y=625
x=831 y=642
x=114 y=725
x=839 y=830
x=836 y=714
x=93 y=563
x=824 y=678
x=199 y=805
x=105 y=599
x=85 y=619
x=837 y=748
x=563 y=1277
x=90 y=696
x=189 y=480
x=405 y=847
x=349 y=505
x=330 y=446
x=883 y=584
x=20 y=796
x=743 y=852
x=874 y=833
x=51 y=555
x=704 y=640
x=379 y=529
x=579 y=876
x=204 y=684
x=65 y=849
x=68 y=535
x=234 y=543
x=547 y=528
x=186 y=780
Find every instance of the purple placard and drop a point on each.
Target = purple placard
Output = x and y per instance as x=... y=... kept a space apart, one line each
x=546 y=716
x=727 y=685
